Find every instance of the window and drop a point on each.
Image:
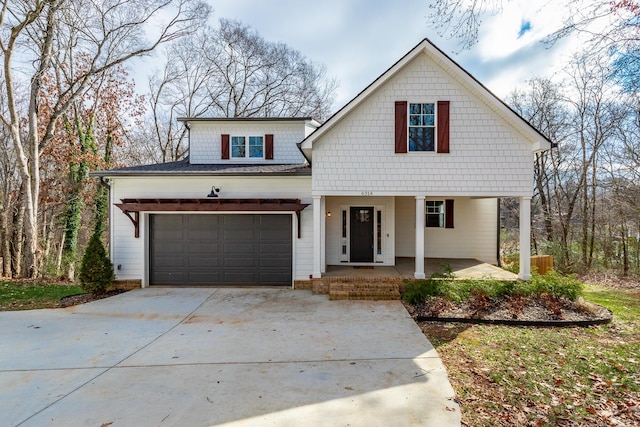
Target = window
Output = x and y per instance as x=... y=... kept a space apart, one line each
x=243 y=147
x=435 y=213
x=422 y=127
x=427 y=126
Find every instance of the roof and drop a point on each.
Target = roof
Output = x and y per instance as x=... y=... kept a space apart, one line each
x=183 y=167
x=427 y=47
x=247 y=119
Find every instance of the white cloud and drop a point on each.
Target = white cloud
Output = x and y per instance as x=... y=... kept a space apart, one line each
x=357 y=40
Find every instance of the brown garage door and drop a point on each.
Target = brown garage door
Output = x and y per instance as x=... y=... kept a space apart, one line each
x=220 y=249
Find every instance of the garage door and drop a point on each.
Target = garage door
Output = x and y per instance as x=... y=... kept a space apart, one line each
x=236 y=250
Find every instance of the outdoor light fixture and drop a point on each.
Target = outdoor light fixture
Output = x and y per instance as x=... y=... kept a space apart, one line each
x=329 y=213
x=214 y=190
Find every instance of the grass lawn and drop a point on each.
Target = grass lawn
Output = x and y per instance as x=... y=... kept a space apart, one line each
x=29 y=295
x=508 y=376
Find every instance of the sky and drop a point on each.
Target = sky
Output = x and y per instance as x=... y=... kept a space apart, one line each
x=357 y=40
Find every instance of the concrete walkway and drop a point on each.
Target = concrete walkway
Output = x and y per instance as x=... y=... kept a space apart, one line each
x=232 y=357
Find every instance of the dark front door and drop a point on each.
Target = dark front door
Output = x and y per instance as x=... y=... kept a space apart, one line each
x=361 y=234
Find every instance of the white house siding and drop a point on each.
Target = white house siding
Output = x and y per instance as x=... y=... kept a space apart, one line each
x=205 y=140
x=487 y=155
x=474 y=234
x=130 y=253
x=333 y=225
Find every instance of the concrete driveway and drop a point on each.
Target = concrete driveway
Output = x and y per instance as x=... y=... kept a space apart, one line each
x=232 y=357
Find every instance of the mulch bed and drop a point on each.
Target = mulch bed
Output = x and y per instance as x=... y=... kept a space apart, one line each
x=535 y=311
x=72 y=300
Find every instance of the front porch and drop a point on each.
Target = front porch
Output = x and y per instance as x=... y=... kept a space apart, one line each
x=385 y=282
x=359 y=236
x=404 y=269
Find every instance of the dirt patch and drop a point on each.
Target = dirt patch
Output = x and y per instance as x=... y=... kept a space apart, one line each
x=611 y=281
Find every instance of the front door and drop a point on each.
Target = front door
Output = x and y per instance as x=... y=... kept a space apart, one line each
x=361 y=234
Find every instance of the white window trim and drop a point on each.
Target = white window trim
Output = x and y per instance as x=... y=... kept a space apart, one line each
x=435 y=126
x=246 y=147
x=444 y=213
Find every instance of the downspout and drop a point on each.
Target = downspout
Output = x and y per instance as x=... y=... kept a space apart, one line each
x=498 y=235
x=105 y=184
x=186 y=125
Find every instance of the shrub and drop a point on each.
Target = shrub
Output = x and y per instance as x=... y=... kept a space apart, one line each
x=557 y=285
x=96 y=271
x=551 y=284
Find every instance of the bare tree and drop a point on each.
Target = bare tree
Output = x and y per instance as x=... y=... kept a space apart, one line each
x=541 y=104
x=107 y=32
x=231 y=71
x=461 y=19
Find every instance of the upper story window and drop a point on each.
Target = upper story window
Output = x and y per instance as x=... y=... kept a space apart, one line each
x=243 y=147
x=422 y=127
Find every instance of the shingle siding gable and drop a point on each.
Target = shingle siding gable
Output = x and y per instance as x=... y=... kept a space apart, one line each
x=487 y=155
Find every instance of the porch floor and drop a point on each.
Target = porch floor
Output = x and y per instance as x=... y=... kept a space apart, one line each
x=405 y=267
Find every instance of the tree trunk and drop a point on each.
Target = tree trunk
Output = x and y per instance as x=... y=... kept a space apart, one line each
x=625 y=253
x=18 y=235
x=5 y=235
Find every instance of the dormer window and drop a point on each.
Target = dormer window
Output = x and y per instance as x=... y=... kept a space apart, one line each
x=247 y=147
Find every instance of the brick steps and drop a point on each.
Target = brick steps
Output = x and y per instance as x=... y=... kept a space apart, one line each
x=350 y=288
x=364 y=291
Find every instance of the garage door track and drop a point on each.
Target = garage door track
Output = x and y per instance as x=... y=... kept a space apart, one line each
x=232 y=357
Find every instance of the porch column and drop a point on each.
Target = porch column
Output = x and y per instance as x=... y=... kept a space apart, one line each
x=317 y=236
x=525 y=238
x=419 y=272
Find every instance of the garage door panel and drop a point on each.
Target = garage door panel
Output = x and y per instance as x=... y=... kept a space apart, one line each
x=164 y=262
x=240 y=262
x=204 y=247
x=278 y=263
x=221 y=249
x=272 y=278
x=238 y=222
x=275 y=248
x=203 y=262
x=238 y=235
x=238 y=248
x=172 y=277
x=204 y=235
x=274 y=235
x=169 y=248
x=171 y=234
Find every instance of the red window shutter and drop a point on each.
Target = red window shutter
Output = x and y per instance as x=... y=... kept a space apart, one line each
x=401 y=127
x=268 y=147
x=443 y=127
x=224 y=146
x=448 y=213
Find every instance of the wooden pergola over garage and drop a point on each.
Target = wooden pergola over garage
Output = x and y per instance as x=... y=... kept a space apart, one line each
x=132 y=207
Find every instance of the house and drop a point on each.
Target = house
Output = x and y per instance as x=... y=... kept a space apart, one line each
x=413 y=166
